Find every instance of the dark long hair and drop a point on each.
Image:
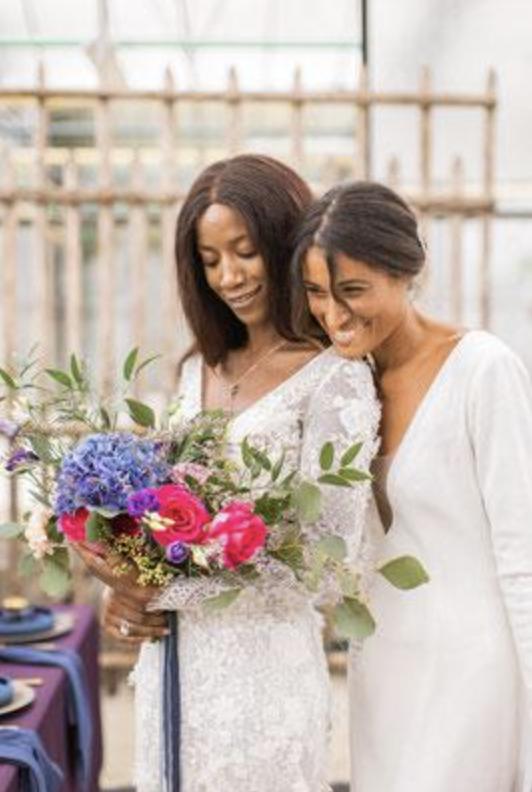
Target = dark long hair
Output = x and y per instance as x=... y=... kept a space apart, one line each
x=271 y=198
x=365 y=221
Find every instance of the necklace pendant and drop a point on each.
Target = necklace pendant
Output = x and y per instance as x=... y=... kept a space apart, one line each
x=234 y=390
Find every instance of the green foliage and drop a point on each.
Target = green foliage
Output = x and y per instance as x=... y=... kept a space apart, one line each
x=61 y=377
x=221 y=601
x=350 y=455
x=55 y=579
x=404 y=573
x=11 y=530
x=332 y=547
x=306 y=500
x=327 y=456
x=141 y=413
x=334 y=479
x=8 y=379
x=129 y=364
x=352 y=619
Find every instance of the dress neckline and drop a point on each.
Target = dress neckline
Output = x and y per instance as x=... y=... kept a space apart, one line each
x=425 y=403
x=265 y=396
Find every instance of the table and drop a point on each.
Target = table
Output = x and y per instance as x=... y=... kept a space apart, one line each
x=47 y=714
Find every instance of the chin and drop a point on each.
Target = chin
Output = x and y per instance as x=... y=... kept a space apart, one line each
x=351 y=352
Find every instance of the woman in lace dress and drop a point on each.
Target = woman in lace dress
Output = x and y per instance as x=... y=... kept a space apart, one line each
x=442 y=693
x=254 y=683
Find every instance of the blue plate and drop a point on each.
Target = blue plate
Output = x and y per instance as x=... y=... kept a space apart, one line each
x=25 y=622
x=6 y=691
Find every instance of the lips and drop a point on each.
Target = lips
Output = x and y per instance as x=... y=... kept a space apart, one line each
x=242 y=300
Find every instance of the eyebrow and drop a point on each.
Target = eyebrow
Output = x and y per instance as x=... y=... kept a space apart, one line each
x=234 y=241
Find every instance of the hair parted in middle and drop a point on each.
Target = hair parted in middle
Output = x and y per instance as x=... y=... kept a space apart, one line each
x=271 y=198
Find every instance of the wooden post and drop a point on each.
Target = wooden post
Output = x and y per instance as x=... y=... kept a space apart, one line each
x=73 y=264
x=488 y=182
x=234 y=103
x=297 y=121
x=46 y=329
x=8 y=293
x=169 y=283
x=105 y=279
x=456 y=272
x=393 y=177
x=138 y=223
x=425 y=107
x=362 y=163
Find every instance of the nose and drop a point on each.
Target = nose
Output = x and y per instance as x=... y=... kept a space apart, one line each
x=231 y=273
x=335 y=315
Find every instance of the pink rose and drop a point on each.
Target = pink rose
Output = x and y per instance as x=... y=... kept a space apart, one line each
x=241 y=532
x=188 y=514
x=73 y=525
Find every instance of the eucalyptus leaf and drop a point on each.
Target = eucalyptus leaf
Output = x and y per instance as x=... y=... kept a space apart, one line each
x=404 y=573
x=261 y=458
x=96 y=527
x=42 y=447
x=327 y=456
x=129 y=363
x=141 y=413
x=146 y=363
x=245 y=451
x=352 y=619
x=350 y=455
x=76 y=370
x=306 y=499
x=106 y=418
x=8 y=379
x=333 y=547
x=352 y=474
x=334 y=480
x=10 y=530
x=221 y=601
x=55 y=580
x=276 y=470
x=61 y=377
x=27 y=565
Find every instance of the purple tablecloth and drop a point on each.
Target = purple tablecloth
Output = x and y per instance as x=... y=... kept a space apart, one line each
x=48 y=713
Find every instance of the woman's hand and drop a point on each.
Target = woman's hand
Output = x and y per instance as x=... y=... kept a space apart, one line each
x=124 y=584
x=128 y=622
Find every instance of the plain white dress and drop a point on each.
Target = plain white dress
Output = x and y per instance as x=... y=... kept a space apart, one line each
x=441 y=695
x=254 y=682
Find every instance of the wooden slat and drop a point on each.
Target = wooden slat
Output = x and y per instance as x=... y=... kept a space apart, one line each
x=234 y=106
x=73 y=266
x=105 y=268
x=456 y=286
x=425 y=143
x=296 y=123
x=362 y=166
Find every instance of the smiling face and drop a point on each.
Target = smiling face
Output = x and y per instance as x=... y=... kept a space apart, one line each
x=365 y=307
x=233 y=266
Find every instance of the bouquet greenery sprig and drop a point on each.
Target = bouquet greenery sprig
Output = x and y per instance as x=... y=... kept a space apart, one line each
x=162 y=494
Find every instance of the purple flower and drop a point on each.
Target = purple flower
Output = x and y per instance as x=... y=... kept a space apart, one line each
x=8 y=428
x=145 y=500
x=19 y=458
x=103 y=470
x=176 y=553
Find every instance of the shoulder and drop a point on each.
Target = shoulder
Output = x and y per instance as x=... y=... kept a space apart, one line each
x=487 y=356
x=353 y=374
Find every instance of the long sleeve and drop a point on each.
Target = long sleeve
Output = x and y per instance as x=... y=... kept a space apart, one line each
x=343 y=410
x=500 y=412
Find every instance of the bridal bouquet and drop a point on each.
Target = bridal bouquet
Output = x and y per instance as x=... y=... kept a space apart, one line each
x=164 y=497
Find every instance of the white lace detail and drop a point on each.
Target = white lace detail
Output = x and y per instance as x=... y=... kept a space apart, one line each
x=255 y=690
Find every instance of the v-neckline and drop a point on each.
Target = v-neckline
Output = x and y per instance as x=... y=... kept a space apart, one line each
x=265 y=396
x=423 y=406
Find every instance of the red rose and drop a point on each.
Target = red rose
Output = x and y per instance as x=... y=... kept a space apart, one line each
x=187 y=512
x=73 y=525
x=241 y=532
x=124 y=524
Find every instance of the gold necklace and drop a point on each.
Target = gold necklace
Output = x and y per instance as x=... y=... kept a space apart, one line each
x=233 y=387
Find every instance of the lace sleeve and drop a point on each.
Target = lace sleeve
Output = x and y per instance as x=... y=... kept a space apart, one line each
x=343 y=410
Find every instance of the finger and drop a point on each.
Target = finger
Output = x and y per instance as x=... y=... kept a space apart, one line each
x=121 y=611
x=137 y=631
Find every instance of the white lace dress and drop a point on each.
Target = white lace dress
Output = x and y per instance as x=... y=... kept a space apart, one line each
x=254 y=683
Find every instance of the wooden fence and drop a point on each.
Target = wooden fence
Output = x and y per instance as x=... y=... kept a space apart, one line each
x=44 y=189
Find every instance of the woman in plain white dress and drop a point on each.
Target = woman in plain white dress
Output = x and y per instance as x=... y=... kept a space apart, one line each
x=441 y=695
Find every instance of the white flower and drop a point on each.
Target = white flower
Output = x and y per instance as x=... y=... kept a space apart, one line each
x=35 y=532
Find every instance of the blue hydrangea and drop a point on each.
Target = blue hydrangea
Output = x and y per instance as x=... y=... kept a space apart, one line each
x=104 y=469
